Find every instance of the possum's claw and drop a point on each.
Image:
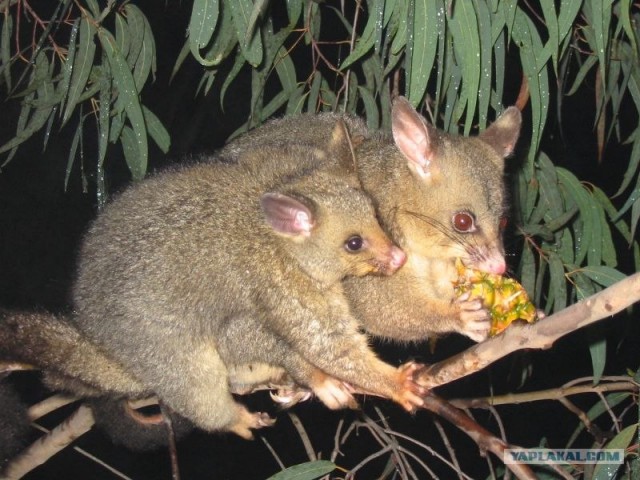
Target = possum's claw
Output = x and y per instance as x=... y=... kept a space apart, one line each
x=288 y=397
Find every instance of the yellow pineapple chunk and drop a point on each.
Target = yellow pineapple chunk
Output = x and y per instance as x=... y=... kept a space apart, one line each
x=504 y=297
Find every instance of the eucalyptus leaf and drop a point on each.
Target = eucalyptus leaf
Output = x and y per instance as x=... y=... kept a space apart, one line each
x=123 y=80
x=466 y=42
x=5 y=49
x=250 y=45
x=368 y=38
x=372 y=113
x=305 y=471
x=145 y=60
x=82 y=65
x=156 y=130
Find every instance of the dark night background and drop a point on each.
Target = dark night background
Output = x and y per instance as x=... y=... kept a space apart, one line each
x=41 y=225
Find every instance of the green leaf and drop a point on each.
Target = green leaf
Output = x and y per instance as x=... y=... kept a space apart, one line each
x=259 y=9
x=295 y=102
x=313 y=99
x=294 y=10
x=103 y=117
x=81 y=66
x=509 y=9
x=583 y=285
x=625 y=17
x=565 y=247
x=531 y=187
x=400 y=38
x=527 y=269
x=603 y=275
x=369 y=36
x=551 y=22
x=251 y=47
x=45 y=100
x=130 y=150
x=122 y=34
x=5 y=49
x=305 y=471
x=598 y=351
x=67 y=65
x=145 y=59
x=422 y=45
x=575 y=192
x=635 y=215
x=568 y=11
x=525 y=35
x=622 y=440
x=561 y=221
x=329 y=98
x=77 y=135
x=370 y=108
x=206 y=82
x=94 y=7
x=618 y=223
x=313 y=19
x=607 y=247
x=558 y=283
x=634 y=161
x=486 y=61
x=128 y=94
x=156 y=130
x=286 y=70
x=204 y=17
x=601 y=20
x=182 y=56
x=466 y=43
x=373 y=73
x=549 y=191
x=581 y=75
x=224 y=41
x=533 y=230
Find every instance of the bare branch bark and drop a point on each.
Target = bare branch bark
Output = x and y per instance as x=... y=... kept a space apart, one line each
x=44 y=448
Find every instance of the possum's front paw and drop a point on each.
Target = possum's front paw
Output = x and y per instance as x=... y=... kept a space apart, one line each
x=248 y=421
x=410 y=395
x=474 y=318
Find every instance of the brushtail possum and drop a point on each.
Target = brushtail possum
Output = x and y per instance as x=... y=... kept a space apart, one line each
x=439 y=197
x=188 y=277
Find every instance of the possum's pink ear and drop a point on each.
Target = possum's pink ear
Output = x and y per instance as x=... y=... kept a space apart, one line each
x=287 y=215
x=415 y=138
x=503 y=134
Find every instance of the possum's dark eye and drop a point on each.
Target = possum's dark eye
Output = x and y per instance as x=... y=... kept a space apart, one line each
x=464 y=222
x=354 y=244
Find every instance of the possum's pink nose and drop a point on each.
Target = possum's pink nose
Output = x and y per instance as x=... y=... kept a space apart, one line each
x=493 y=265
x=398 y=259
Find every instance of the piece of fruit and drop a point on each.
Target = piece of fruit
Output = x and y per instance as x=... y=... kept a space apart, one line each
x=504 y=297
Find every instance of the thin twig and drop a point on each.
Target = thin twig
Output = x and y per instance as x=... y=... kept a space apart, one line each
x=273 y=452
x=550 y=394
x=306 y=441
x=447 y=444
